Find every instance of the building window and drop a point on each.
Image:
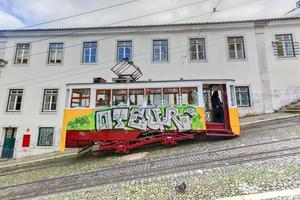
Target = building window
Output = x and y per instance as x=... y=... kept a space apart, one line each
x=160 y=50
x=236 y=47
x=242 y=96
x=45 y=136
x=124 y=50
x=55 y=53
x=22 y=54
x=50 y=100
x=284 y=45
x=14 y=100
x=197 y=49
x=80 y=98
x=89 y=52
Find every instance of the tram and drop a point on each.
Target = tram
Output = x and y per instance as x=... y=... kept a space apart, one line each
x=119 y=117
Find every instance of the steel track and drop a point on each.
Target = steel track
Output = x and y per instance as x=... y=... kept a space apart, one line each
x=262 y=127
x=88 y=180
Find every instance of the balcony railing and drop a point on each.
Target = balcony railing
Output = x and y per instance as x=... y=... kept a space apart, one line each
x=279 y=49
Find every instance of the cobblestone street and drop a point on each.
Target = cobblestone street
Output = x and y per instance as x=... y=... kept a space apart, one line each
x=264 y=158
x=150 y=100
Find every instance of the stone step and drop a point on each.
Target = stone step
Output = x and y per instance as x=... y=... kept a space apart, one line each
x=295 y=104
x=289 y=111
x=292 y=107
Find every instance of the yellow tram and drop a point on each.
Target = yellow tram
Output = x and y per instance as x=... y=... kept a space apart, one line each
x=118 y=117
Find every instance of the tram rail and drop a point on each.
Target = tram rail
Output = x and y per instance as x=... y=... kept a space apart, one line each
x=268 y=126
x=154 y=169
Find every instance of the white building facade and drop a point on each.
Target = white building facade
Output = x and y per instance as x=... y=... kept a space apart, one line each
x=262 y=57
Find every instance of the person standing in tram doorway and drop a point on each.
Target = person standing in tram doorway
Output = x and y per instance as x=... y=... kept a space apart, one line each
x=217 y=106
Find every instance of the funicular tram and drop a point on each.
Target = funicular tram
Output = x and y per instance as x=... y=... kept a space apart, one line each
x=121 y=116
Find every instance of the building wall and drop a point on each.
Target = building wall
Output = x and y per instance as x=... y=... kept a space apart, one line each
x=284 y=72
x=38 y=75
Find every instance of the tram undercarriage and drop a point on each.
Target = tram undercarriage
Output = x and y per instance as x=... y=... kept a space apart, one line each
x=115 y=145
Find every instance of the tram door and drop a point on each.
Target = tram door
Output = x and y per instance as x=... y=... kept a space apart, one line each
x=9 y=143
x=216 y=106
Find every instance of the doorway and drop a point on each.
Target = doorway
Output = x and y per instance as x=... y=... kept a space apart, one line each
x=9 y=143
x=216 y=106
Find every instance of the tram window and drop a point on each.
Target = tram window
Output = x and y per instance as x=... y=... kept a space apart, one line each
x=80 y=98
x=232 y=95
x=206 y=99
x=171 y=96
x=153 y=96
x=119 y=97
x=189 y=96
x=102 y=98
x=136 y=96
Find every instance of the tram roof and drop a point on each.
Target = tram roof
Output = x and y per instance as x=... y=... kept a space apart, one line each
x=171 y=83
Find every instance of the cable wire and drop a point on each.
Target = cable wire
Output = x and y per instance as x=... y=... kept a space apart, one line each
x=79 y=68
x=118 y=22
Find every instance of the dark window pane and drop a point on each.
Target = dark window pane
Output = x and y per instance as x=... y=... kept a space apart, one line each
x=243 y=96
x=89 y=52
x=45 y=136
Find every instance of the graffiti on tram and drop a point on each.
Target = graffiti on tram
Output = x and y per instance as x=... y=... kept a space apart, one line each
x=181 y=118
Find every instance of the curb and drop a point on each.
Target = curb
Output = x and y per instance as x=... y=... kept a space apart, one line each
x=267 y=195
x=245 y=124
x=38 y=161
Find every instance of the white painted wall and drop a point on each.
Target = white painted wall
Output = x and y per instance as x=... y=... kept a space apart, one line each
x=39 y=75
x=284 y=72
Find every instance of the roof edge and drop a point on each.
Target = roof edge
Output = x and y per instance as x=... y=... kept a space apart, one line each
x=151 y=25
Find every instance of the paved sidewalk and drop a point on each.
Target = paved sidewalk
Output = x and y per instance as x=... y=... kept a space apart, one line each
x=37 y=158
x=283 y=194
x=245 y=121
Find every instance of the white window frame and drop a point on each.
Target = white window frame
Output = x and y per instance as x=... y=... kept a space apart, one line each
x=197 y=49
x=123 y=46
x=249 y=95
x=235 y=48
x=20 y=48
x=20 y=92
x=51 y=100
x=285 y=55
x=90 y=51
x=160 y=50
x=56 y=53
